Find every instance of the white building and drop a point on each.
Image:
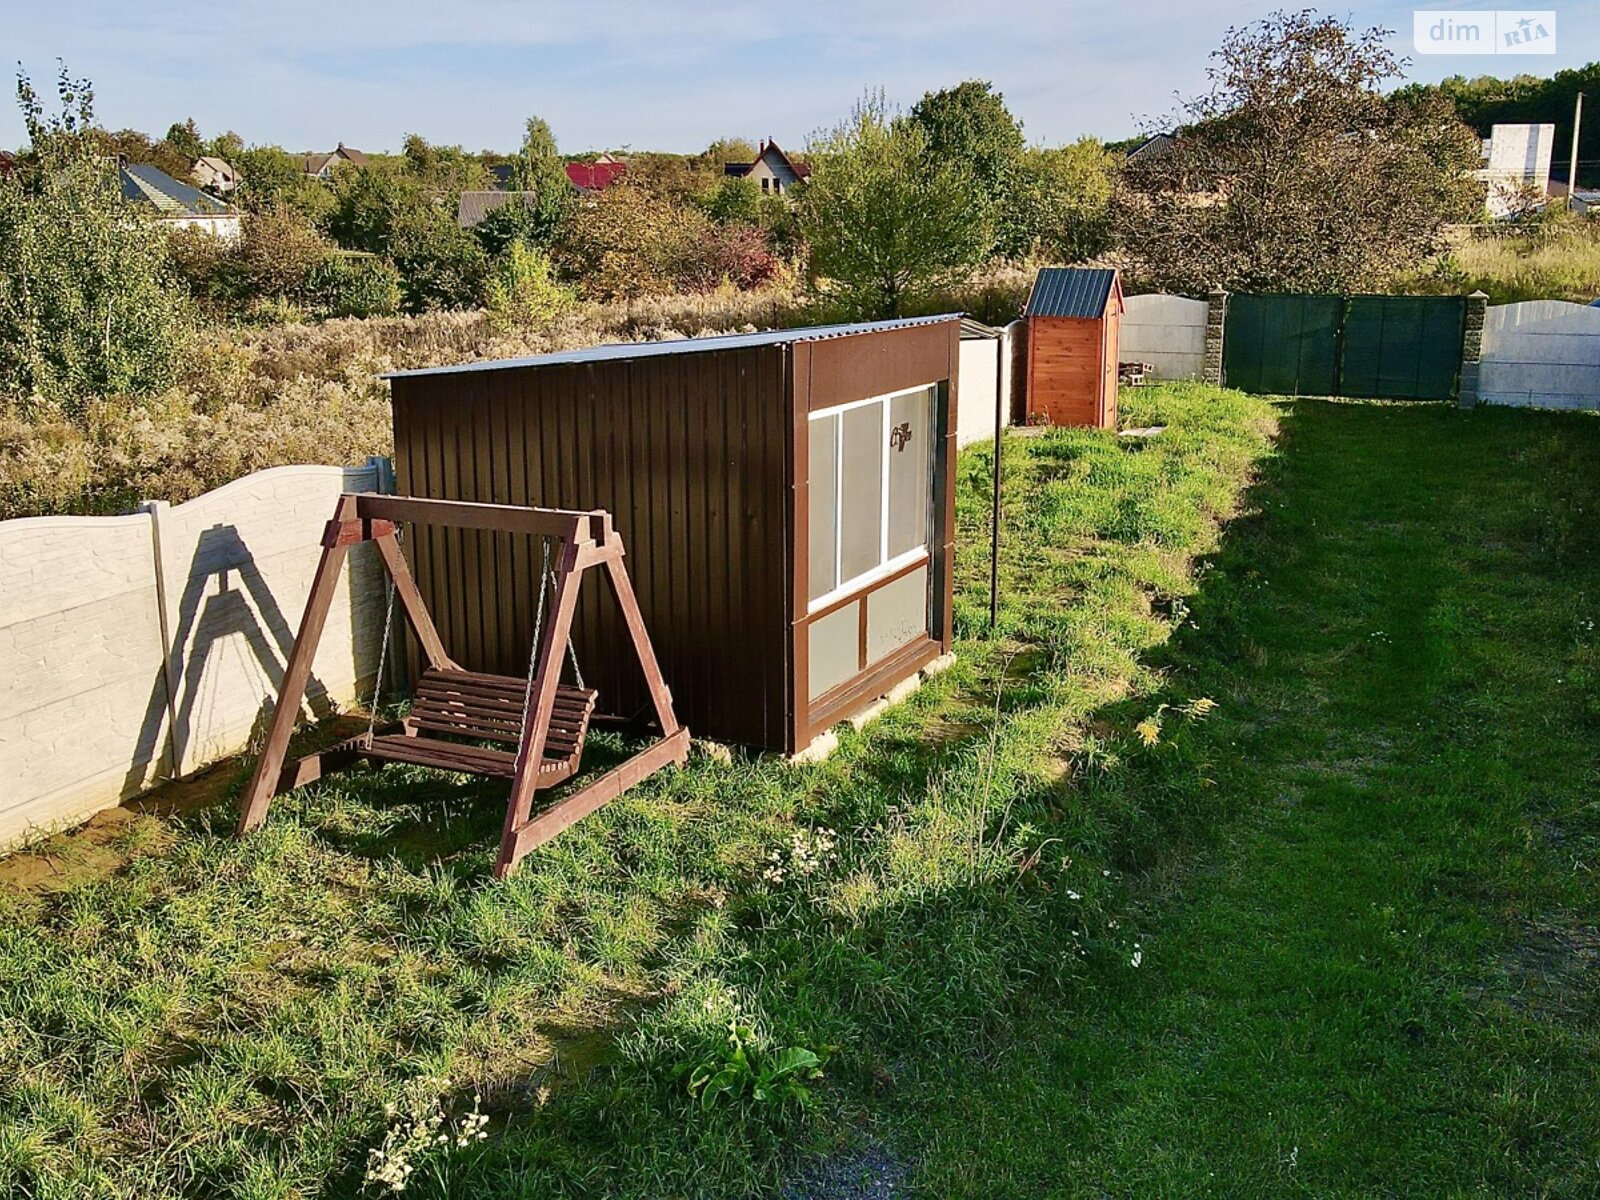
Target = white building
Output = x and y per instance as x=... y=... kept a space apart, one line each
x=177 y=205
x=1516 y=166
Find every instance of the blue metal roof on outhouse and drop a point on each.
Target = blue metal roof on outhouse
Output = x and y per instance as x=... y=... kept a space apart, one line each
x=1070 y=292
x=621 y=351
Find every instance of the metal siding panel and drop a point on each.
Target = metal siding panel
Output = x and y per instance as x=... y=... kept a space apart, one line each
x=693 y=461
x=855 y=368
x=644 y=351
x=1079 y=292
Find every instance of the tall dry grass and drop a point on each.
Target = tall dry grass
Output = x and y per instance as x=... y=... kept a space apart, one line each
x=251 y=398
x=1556 y=259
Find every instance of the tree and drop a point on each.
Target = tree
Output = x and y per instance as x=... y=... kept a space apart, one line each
x=970 y=125
x=735 y=198
x=86 y=307
x=626 y=241
x=729 y=150
x=137 y=147
x=184 y=138
x=522 y=289
x=270 y=176
x=1295 y=172
x=1526 y=99
x=539 y=169
x=1060 y=203
x=887 y=221
x=537 y=166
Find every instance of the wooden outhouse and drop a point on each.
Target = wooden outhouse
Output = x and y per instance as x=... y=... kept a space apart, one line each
x=786 y=500
x=1073 y=315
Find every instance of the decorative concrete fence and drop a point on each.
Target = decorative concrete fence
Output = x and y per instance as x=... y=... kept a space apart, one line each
x=1168 y=332
x=1541 y=354
x=138 y=648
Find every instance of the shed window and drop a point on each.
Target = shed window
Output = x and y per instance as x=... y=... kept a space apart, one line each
x=871 y=487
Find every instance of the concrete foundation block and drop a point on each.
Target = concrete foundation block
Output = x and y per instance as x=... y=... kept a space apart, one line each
x=821 y=747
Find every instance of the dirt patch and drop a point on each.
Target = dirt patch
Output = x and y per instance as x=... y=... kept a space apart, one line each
x=1555 y=970
x=870 y=1172
x=107 y=841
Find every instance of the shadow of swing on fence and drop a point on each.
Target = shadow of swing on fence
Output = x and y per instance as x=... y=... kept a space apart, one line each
x=210 y=614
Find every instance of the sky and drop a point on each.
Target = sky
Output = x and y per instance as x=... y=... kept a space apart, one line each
x=656 y=75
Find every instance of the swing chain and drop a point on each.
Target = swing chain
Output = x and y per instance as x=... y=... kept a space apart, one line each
x=533 y=650
x=547 y=582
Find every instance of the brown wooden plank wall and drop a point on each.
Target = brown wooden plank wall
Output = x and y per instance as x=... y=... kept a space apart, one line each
x=1066 y=376
x=688 y=453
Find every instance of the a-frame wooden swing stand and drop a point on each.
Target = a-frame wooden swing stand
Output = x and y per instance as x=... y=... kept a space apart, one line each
x=454 y=711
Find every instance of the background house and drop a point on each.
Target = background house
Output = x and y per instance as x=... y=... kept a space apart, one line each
x=1157 y=145
x=322 y=165
x=773 y=169
x=214 y=175
x=1516 y=166
x=598 y=175
x=177 y=204
x=473 y=207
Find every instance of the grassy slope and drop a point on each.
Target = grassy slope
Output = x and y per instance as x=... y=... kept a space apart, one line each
x=231 y=1018
x=1384 y=976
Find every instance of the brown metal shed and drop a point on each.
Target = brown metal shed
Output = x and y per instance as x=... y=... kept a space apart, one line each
x=1073 y=316
x=786 y=499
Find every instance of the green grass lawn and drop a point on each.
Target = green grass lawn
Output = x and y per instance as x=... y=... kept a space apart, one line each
x=1251 y=858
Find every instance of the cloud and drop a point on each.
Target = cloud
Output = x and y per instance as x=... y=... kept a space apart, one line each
x=665 y=75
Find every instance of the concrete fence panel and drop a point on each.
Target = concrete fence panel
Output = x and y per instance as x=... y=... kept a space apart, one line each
x=1168 y=332
x=83 y=701
x=137 y=648
x=985 y=365
x=1541 y=354
x=236 y=566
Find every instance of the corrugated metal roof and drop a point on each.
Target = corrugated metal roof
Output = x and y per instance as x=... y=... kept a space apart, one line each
x=142 y=182
x=622 y=351
x=1070 y=292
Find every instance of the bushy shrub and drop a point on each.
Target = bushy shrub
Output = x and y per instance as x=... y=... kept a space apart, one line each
x=87 y=304
x=735 y=254
x=281 y=269
x=523 y=291
x=626 y=242
x=276 y=252
x=441 y=265
x=354 y=285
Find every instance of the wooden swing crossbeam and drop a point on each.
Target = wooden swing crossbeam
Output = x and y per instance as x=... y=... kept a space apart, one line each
x=546 y=721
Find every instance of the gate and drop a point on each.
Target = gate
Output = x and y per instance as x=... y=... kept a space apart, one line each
x=1377 y=347
x=1403 y=347
x=1283 y=344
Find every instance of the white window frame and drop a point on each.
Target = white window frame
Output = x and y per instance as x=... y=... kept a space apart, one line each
x=886 y=566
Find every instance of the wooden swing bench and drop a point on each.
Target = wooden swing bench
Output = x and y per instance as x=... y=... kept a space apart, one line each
x=534 y=720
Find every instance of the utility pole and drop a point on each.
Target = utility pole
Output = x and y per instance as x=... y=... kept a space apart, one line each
x=1572 y=169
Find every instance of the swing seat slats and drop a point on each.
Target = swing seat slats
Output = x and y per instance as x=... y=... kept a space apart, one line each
x=487 y=708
